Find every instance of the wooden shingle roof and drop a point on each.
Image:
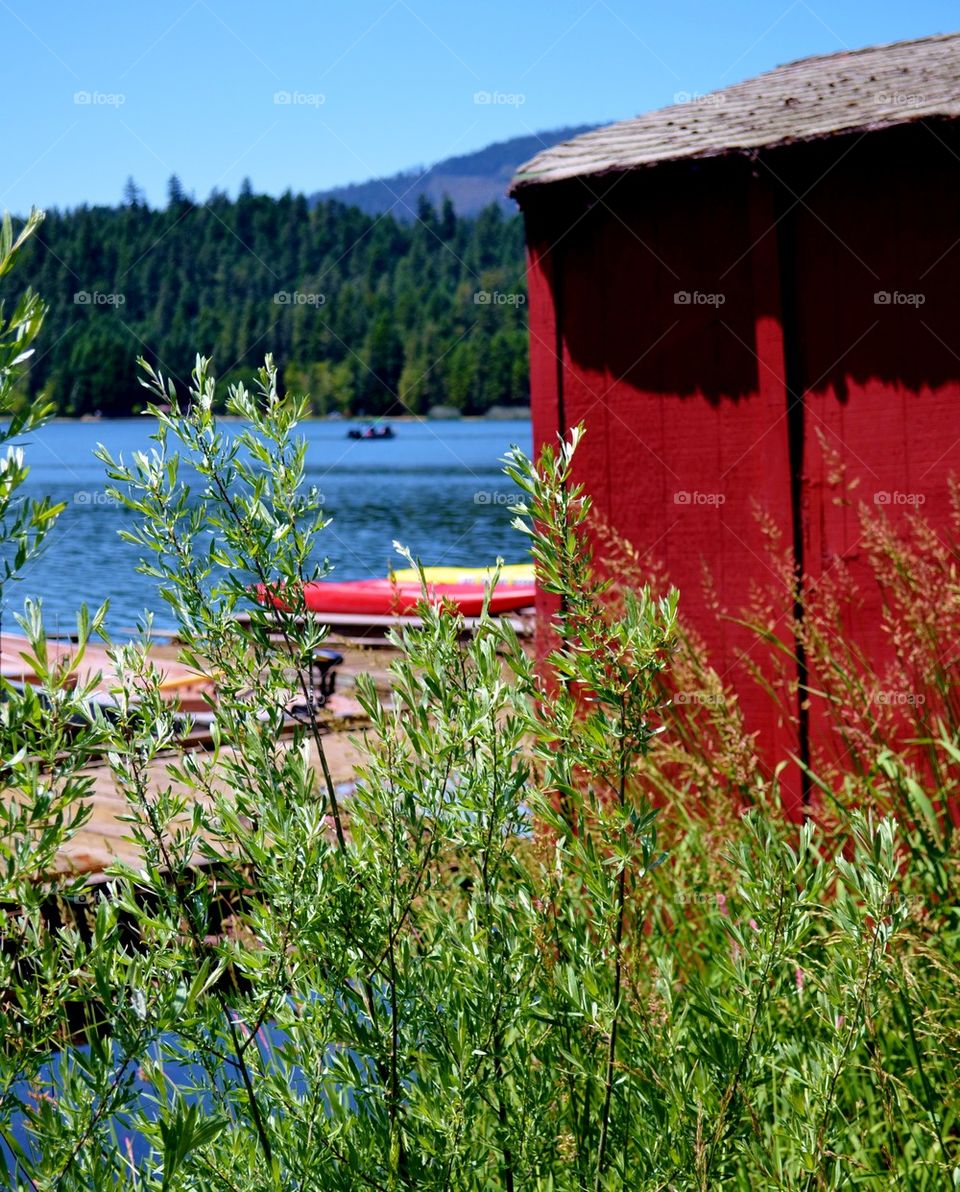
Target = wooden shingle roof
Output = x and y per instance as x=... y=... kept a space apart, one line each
x=815 y=98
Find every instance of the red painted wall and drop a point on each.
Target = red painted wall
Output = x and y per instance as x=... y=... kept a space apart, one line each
x=674 y=310
x=880 y=379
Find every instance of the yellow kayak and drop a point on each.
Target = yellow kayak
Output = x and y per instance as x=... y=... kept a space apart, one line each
x=510 y=573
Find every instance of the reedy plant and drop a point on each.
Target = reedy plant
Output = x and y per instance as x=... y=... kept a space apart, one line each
x=591 y=726
x=895 y=1104
x=45 y=740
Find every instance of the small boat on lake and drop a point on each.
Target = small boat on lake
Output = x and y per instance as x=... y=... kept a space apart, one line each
x=371 y=431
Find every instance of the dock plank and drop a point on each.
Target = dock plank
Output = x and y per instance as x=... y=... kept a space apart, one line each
x=105 y=837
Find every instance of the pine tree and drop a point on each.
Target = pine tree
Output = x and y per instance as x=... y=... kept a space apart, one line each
x=133 y=196
x=176 y=196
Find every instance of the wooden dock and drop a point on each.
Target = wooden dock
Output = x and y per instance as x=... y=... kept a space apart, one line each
x=365 y=648
x=106 y=838
x=372 y=630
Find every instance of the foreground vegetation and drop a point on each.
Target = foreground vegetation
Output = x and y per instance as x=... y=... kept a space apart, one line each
x=560 y=937
x=366 y=313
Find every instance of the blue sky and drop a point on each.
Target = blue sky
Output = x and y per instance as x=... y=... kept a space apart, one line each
x=97 y=90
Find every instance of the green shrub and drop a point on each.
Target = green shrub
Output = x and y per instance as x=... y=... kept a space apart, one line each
x=498 y=964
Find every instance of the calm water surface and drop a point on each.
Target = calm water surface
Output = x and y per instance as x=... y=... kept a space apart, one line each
x=437 y=487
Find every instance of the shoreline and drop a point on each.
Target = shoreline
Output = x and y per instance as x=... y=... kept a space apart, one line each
x=522 y=415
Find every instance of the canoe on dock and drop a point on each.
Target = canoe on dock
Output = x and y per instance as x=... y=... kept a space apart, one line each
x=383 y=597
x=510 y=573
x=189 y=689
x=400 y=593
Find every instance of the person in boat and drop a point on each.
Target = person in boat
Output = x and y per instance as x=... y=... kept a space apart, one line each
x=371 y=431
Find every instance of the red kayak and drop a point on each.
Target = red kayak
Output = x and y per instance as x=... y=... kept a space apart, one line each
x=383 y=597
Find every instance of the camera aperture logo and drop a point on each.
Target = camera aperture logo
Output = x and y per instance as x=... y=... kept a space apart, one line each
x=498 y=298
x=698 y=298
x=91 y=496
x=97 y=298
x=897 y=298
x=686 y=497
x=506 y=99
x=900 y=99
x=705 y=699
x=712 y=99
x=299 y=99
x=298 y=298
x=899 y=498
x=894 y=698
x=691 y=896
x=99 y=99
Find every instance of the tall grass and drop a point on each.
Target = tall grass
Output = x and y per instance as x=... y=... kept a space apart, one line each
x=868 y=1023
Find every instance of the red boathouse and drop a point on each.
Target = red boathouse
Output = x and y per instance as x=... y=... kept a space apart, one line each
x=734 y=292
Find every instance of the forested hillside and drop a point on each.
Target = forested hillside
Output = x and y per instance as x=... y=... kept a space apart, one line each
x=367 y=314
x=472 y=180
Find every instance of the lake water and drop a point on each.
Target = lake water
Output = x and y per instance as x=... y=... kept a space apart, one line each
x=437 y=487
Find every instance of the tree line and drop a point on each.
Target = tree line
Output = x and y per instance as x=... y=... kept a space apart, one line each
x=367 y=314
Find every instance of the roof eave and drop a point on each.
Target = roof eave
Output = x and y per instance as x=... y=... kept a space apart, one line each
x=524 y=181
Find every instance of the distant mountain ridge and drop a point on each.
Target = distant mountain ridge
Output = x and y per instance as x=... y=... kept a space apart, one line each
x=472 y=180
